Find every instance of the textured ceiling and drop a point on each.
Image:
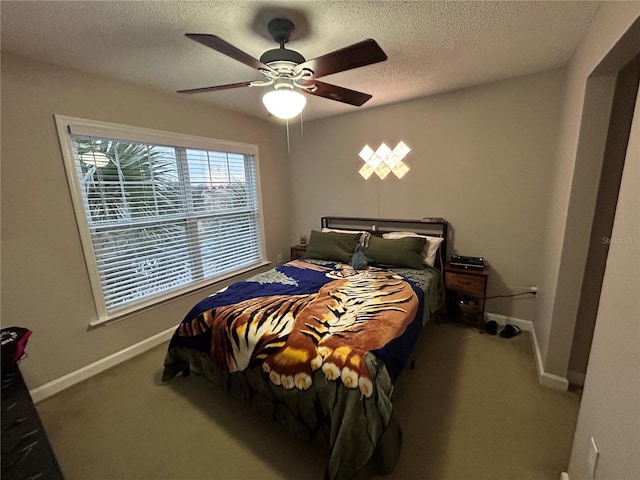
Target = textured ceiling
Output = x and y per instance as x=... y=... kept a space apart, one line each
x=432 y=46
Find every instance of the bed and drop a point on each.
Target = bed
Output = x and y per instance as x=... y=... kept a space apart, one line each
x=318 y=343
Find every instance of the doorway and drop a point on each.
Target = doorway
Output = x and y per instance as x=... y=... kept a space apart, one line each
x=617 y=139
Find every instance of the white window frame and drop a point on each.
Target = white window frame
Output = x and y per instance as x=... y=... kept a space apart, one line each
x=68 y=126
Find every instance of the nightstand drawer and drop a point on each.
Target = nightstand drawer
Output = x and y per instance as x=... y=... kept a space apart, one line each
x=464 y=282
x=461 y=284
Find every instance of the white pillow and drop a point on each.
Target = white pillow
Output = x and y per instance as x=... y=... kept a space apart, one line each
x=430 y=249
x=364 y=238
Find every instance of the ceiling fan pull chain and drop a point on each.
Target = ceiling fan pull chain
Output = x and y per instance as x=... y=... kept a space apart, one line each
x=301 y=127
x=288 y=148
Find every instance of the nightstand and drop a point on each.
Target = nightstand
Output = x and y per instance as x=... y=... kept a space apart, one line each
x=298 y=251
x=469 y=287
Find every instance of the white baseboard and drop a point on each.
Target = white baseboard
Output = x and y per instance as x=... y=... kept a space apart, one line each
x=546 y=379
x=48 y=389
x=576 y=378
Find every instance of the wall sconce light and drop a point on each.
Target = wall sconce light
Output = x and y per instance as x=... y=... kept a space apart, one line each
x=384 y=160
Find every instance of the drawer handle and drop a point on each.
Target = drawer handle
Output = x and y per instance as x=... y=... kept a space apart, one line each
x=464 y=283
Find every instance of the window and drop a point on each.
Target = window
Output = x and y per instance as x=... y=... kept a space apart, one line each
x=160 y=213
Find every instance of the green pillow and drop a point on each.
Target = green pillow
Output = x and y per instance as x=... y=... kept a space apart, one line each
x=332 y=246
x=396 y=252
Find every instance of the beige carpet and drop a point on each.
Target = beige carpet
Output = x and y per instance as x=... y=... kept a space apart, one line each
x=471 y=409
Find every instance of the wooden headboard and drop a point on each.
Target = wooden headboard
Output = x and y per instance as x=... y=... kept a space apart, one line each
x=435 y=227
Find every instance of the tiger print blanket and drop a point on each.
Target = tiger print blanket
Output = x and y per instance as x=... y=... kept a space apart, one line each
x=302 y=317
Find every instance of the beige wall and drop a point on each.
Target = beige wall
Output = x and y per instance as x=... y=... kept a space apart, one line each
x=610 y=408
x=596 y=117
x=481 y=157
x=622 y=108
x=45 y=285
x=574 y=191
x=486 y=158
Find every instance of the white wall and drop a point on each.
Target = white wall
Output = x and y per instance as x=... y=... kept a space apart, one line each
x=610 y=408
x=481 y=157
x=574 y=192
x=45 y=285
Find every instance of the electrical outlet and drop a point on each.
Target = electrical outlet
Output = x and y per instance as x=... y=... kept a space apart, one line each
x=279 y=258
x=592 y=459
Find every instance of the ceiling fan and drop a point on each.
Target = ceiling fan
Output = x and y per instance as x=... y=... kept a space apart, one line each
x=290 y=73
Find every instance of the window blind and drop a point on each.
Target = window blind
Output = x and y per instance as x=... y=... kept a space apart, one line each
x=163 y=218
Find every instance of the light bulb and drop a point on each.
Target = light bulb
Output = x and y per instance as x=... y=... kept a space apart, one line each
x=284 y=103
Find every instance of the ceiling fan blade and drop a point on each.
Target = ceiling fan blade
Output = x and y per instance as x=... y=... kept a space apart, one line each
x=224 y=47
x=339 y=94
x=357 y=55
x=217 y=87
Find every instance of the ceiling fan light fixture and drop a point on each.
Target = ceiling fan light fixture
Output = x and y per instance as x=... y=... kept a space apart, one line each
x=284 y=102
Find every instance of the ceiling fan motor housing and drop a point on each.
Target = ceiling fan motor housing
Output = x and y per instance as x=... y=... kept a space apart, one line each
x=282 y=55
x=280 y=29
